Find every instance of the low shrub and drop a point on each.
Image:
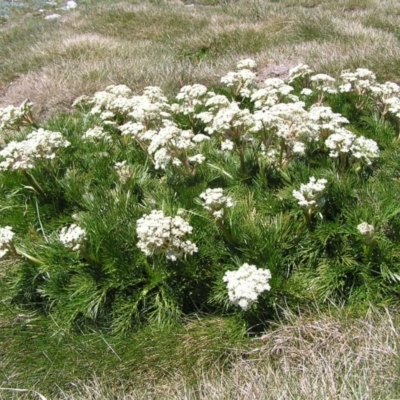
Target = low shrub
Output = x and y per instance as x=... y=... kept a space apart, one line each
x=138 y=209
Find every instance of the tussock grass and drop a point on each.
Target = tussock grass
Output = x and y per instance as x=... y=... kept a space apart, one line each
x=303 y=357
x=170 y=45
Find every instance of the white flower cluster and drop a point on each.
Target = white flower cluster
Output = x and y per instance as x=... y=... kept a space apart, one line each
x=359 y=81
x=242 y=81
x=118 y=100
x=189 y=97
x=73 y=237
x=340 y=142
x=325 y=119
x=124 y=171
x=310 y=195
x=272 y=93
x=227 y=145
x=95 y=134
x=289 y=121
x=38 y=144
x=300 y=71
x=246 y=284
x=367 y=231
x=363 y=82
x=136 y=130
x=6 y=236
x=225 y=117
x=324 y=83
x=159 y=234
x=393 y=104
x=365 y=150
x=171 y=144
x=247 y=63
x=12 y=117
x=346 y=142
x=215 y=202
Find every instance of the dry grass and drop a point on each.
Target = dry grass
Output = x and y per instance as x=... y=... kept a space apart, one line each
x=306 y=357
x=169 y=44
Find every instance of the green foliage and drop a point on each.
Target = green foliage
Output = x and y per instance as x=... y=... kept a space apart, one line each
x=113 y=278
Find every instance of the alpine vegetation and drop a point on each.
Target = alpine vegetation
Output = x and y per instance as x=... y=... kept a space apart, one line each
x=139 y=209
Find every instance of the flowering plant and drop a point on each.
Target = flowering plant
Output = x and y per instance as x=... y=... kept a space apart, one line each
x=117 y=182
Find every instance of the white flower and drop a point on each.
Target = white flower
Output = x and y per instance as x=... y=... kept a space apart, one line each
x=215 y=202
x=310 y=195
x=200 y=138
x=118 y=100
x=306 y=92
x=6 y=236
x=227 y=145
x=300 y=71
x=322 y=78
x=159 y=234
x=298 y=148
x=162 y=158
x=134 y=129
x=124 y=171
x=361 y=148
x=365 y=150
x=246 y=284
x=394 y=105
x=70 y=5
x=189 y=96
x=72 y=237
x=38 y=144
x=216 y=101
x=12 y=117
x=325 y=119
x=367 y=231
x=272 y=93
x=247 y=63
x=197 y=159
x=228 y=117
x=52 y=16
x=241 y=81
x=340 y=142
x=96 y=133
x=363 y=82
x=324 y=83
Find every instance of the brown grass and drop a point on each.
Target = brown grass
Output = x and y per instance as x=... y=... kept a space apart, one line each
x=171 y=45
x=304 y=357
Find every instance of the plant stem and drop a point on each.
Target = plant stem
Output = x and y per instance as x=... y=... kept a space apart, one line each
x=34 y=183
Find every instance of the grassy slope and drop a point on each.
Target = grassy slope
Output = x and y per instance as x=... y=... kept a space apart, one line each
x=169 y=44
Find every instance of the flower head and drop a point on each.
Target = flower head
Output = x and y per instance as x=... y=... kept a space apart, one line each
x=160 y=234
x=72 y=237
x=6 y=236
x=310 y=195
x=367 y=232
x=246 y=284
x=215 y=202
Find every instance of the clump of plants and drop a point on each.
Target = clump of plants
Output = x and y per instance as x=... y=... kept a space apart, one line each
x=139 y=209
